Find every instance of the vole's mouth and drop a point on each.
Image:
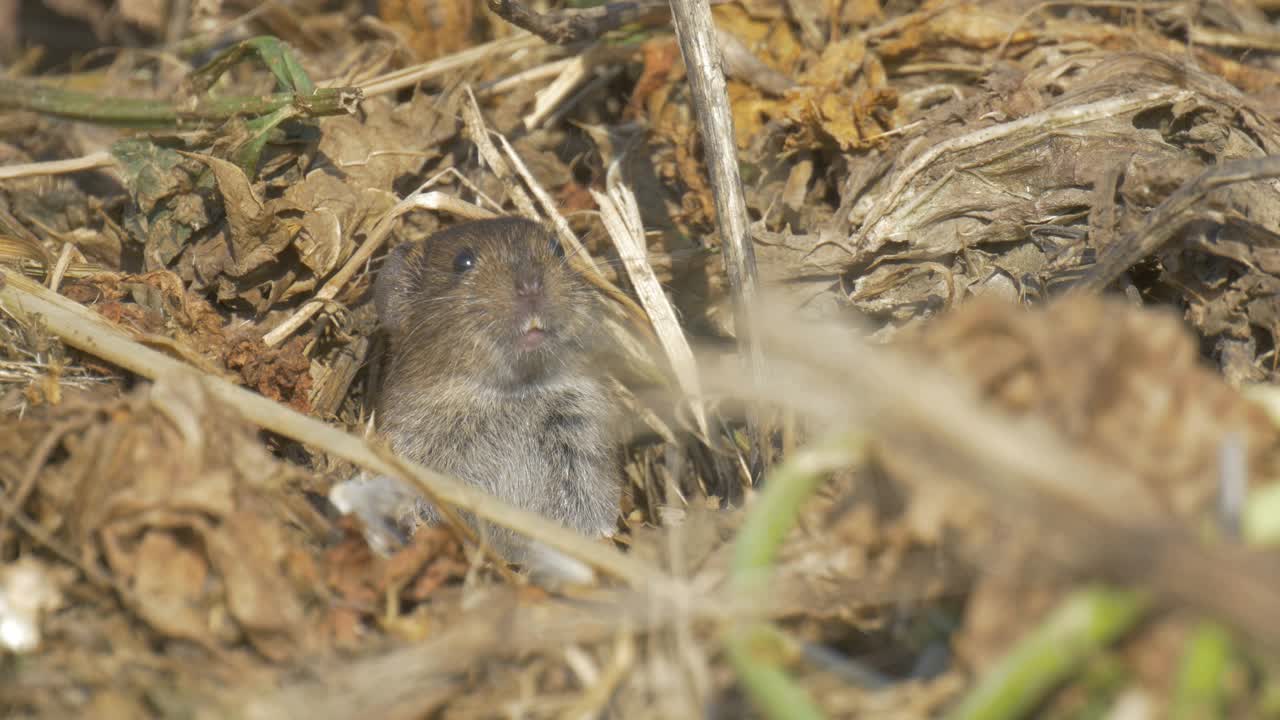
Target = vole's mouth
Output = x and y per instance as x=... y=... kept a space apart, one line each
x=532 y=334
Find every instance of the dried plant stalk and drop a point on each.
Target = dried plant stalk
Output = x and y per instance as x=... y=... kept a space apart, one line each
x=697 y=37
x=621 y=218
x=84 y=330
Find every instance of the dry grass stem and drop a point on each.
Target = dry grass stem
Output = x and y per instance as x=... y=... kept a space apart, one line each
x=621 y=218
x=550 y=97
x=83 y=330
x=93 y=161
x=408 y=77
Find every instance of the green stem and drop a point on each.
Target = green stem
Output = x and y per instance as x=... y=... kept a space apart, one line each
x=756 y=648
x=1084 y=623
x=155 y=114
x=1199 y=694
x=755 y=651
x=779 y=503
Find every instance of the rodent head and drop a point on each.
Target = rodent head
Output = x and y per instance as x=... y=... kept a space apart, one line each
x=493 y=298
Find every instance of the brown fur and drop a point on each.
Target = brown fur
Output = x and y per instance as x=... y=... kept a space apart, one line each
x=534 y=427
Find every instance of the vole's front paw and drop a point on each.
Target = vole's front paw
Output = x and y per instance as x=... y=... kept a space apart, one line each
x=380 y=502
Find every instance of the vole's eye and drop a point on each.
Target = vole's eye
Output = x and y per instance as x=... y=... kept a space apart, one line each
x=464 y=261
x=557 y=248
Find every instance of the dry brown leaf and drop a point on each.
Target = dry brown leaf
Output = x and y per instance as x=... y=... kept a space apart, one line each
x=251 y=553
x=180 y=500
x=281 y=373
x=842 y=98
x=170 y=581
x=431 y=27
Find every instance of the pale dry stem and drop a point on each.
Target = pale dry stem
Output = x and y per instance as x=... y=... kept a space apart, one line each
x=84 y=330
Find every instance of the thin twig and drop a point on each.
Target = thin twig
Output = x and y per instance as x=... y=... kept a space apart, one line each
x=478 y=132
x=1269 y=42
x=563 y=232
x=60 y=267
x=522 y=79
x=549 y=98
x=601 y=79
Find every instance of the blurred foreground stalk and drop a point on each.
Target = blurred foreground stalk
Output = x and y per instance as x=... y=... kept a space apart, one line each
x=758 y=650
x=1087 y=621
x=1200 y=692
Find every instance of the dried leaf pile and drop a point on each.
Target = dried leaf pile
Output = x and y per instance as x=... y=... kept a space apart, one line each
x=945 y=190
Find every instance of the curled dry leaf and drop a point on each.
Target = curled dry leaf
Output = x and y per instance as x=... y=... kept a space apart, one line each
x=1009 y=205
x=266 y=241
x=186 y=511
x=431 y=28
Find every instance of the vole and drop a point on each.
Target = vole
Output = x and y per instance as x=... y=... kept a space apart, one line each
x=491 y=376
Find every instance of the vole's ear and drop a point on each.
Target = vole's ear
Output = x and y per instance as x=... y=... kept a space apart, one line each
x=392 y=287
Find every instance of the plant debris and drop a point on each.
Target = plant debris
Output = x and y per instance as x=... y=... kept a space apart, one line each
x=1057 y=224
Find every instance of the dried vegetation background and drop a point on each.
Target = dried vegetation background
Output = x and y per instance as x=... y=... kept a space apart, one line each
x=963 y=181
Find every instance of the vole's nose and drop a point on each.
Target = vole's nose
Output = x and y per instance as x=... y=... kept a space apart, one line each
x=528 y=285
